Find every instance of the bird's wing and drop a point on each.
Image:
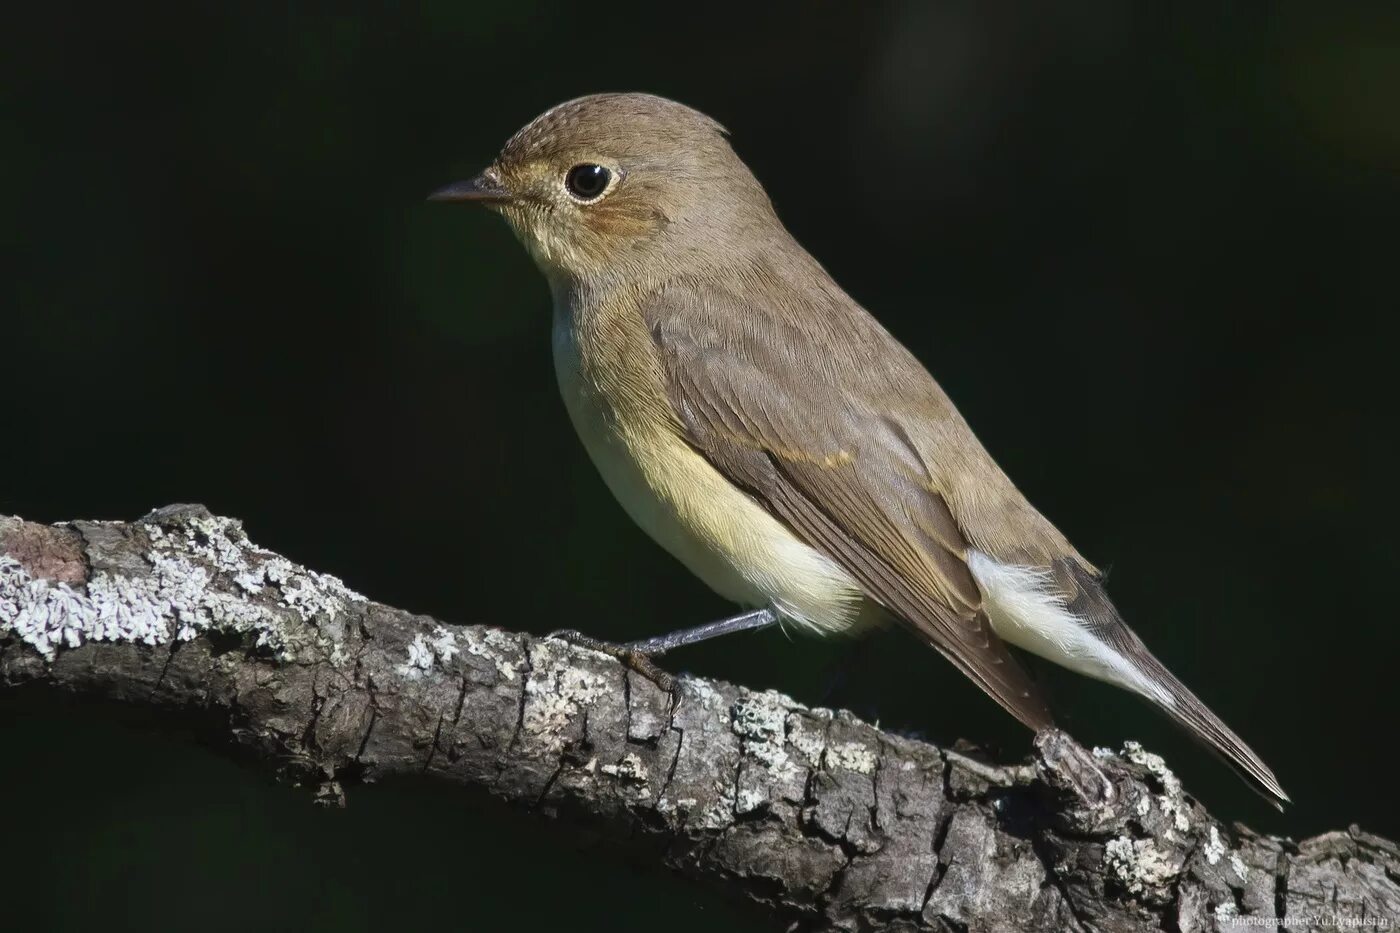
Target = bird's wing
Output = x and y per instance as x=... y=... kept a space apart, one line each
x=820 y=457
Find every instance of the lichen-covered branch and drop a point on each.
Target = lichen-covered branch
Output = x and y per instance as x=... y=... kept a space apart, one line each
x=832 y=822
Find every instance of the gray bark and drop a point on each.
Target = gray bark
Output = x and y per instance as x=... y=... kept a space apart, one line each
x=826 y=819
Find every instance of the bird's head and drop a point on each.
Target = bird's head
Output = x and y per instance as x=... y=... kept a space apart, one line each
x=618 y=184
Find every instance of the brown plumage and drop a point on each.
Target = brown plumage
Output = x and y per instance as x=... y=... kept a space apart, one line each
x=771 y=434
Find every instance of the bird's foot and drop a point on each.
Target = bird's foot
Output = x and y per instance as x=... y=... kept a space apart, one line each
x=1065 y=764
x=997 y=775
x=632 y=658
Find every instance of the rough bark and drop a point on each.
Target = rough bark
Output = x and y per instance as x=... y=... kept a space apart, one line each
x=831 y=822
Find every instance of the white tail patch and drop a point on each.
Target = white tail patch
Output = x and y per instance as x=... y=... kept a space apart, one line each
x=1025 y=611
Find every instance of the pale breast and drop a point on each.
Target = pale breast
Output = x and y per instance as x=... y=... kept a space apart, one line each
x=722 y=535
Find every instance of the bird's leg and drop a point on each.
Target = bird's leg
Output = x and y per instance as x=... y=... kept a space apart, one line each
x=637 y=655
x=744 y=622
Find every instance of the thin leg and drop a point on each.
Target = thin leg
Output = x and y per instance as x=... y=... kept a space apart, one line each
x=747 y=621
x=638 y=655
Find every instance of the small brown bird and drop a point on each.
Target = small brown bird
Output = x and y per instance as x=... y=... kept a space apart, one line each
x=772 y=435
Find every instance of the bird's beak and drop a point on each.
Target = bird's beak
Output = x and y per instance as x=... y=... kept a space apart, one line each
x=482 y=189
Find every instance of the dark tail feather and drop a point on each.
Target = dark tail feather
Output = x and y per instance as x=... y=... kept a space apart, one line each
x=1196 y=718
x=1088 y=601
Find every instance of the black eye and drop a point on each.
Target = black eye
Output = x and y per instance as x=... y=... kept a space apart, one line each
x=587 y=181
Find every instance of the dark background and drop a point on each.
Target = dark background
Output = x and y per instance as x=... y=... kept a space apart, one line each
x=1151 y=255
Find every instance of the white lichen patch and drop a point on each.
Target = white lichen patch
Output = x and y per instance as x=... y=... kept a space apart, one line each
x=678 y=805
x=420 y=656
x=1172 y=800
x=44 y=615
x=630 y=768
x=498 y=648
x=808 y=739
x=1215 y=847
x=444 y=644
x=749 y=799
x=1226 y=911
x=760 y=716
x=852 y=756
x=1140 y=865
x=222 y=543
x=175 y=600
x=427 y=650
x=768 y=772
x=700 y=693
x=759 y=719
x=720 y=813
x=555 y=691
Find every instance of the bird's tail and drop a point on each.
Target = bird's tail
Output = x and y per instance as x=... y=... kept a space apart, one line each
x=1149 y=678
x=1173 y=698
x=1062 y=613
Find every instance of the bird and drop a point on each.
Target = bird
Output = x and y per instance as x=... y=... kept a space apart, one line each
x=766 y=430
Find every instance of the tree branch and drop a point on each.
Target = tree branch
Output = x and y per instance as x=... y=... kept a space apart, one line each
x=832 y=822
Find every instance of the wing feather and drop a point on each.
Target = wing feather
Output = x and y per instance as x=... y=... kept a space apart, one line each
x=840 y=481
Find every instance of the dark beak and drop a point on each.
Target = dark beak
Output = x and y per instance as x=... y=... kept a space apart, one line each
x=481 y=189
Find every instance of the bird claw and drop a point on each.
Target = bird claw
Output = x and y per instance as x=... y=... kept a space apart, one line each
x=630 y=658
x=997 y=775
x=1065 y=764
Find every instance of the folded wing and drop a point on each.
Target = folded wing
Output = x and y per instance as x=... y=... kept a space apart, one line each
x=760 y=407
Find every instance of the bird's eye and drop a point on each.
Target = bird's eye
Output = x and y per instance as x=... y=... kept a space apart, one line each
x=587 y=182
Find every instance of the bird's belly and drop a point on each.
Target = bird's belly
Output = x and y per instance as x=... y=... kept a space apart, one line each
x=722 y=535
